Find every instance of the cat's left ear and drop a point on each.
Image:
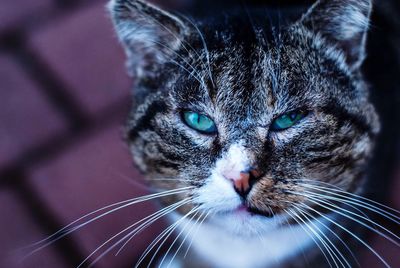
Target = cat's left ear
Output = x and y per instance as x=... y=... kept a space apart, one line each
x=149 y=35
x=344 y=23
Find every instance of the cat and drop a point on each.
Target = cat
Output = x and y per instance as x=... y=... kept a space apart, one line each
x=256 y=128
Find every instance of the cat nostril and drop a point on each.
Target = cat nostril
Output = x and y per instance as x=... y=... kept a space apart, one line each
x=242 y=184
x=244 y=181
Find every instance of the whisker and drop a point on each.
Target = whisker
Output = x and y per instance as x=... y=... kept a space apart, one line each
x=356 y=202
x=205 y=48
x=337 y=236
x=324 y=240
x=308 y=215
x=177 y=237
x=297 y=219
x=116 y=206
x=351 y=206
x=164 y=235
x=154 y=243
x=344 y=202
x=191 y=73
x=306 y=260
x=158 y=214
x=143 y=226
x=335 y=209
x=195 y=233
x=356 y=196
x=184 y=239
x=351 y=233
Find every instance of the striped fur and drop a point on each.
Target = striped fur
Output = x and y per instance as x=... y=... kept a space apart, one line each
x=244 y=70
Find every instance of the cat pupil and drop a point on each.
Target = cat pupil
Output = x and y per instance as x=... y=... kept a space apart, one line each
x=293 y=116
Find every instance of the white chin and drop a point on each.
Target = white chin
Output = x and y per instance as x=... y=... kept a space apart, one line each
x=244 y=223
x=260 y=241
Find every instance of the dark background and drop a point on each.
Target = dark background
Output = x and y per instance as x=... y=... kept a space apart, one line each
x=64 y=96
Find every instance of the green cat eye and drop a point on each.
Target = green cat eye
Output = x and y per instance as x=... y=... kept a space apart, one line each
x=200 y=122
x=287 y=120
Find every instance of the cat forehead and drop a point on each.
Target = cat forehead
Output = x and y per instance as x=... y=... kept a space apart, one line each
x=245 y=78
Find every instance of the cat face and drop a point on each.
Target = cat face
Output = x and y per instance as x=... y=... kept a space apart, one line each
x=248 y=119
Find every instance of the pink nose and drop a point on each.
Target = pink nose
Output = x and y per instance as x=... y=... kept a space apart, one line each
x=242 y=183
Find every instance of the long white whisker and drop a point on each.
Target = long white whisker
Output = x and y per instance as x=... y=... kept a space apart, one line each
x=186 y=236
x=335 y=209
x=179 y=234
x=356 y=202
x=154 y=243
x=332 y=232
x=195 y=233
x=351 y=233
x=297 y=239
x=356 y=197
x=163 y=211
x=117 y=206
x=308 y=216
x=342 y=201
x=297 y=219
x=205 y=48
x=317 y=232
x=146 y=224
x=164 y=235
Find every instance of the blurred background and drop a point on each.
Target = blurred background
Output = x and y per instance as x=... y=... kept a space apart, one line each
x=64 y=96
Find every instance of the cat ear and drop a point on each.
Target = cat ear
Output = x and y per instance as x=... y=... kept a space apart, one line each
x=344 y=23
x=148 y=34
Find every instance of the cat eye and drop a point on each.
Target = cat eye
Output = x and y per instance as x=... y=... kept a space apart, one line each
x=288 y=120
x=199 y=122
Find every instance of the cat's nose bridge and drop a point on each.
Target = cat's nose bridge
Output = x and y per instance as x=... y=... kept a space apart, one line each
x=235 y=160
x=249 y=138
x=238 y=166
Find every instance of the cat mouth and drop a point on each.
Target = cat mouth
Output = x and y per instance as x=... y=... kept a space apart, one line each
x=256 y=211
x=253 y=211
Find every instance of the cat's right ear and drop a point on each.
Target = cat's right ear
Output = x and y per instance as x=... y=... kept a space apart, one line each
x=148 y=34
x=343 y=23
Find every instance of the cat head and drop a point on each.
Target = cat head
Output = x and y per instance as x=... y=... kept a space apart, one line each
x=246 y=115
